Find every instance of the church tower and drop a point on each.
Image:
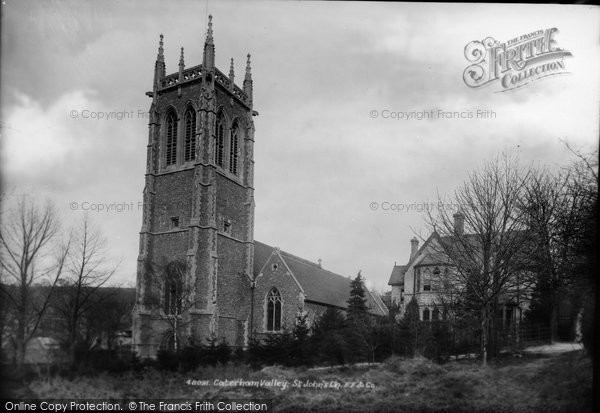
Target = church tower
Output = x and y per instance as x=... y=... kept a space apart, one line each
x=196 y=242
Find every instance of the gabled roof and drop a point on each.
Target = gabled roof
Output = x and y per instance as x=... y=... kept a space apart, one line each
x=439 y=256
x=397 y=276
x=319 y=285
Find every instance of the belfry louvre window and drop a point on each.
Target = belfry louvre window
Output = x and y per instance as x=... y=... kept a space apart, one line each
x=274 y=310
x=171 y=144
x=233 y=150
x=219 y=140
x=190 y=135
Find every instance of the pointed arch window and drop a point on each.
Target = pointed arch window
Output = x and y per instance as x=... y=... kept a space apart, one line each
x=190 y=135
x=233 y=149
x=274 y=310
x=168 y=341
x=219 y=140
x=171 y=141
x=173 y=289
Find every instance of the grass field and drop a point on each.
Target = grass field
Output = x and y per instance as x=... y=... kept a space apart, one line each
x=555 y=383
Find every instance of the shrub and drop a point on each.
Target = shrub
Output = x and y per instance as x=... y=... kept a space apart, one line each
x=167 y=360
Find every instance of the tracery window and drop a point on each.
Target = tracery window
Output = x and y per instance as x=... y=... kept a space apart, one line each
x=172 y=299
x=219 y=140
x=233 y=150
x=274 y=310
x=171 y=139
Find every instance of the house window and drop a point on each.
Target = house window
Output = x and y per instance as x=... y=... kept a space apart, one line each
x=233 y=150
x=274 y=267
x=436 y=271
x=171 y=142
x=174 y=222
x=190 y=135
x=227 y=226
x=274 y=310
x=426 y=314
x=219 y=140
x=436 y=314
x=426 y=281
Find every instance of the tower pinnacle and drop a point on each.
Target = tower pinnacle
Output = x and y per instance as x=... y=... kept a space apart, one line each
x=231 y=72
x=248 y=71
x=208 y=59
x=159 y=66
x=161 y=52
x=209 y=32
x=248 y=79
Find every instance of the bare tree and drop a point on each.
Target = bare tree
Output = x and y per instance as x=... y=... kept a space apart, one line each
x=110 y=314
x=31 y=256
x=556 y=206
x=86 y=270
x=486 y=243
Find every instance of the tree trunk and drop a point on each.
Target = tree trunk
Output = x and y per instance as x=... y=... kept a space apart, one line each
x=175 y=330
x=484 y=337
x=554 y=319
x=20 y=344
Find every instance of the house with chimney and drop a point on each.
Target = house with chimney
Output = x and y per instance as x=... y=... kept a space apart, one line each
x=427 y=276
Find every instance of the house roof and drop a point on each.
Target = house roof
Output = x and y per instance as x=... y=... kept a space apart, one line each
x=319 y=285
x=439 y=257
x=397 y=276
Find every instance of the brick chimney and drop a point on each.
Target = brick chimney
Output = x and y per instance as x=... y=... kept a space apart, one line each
x=459 y=223
x=414 y=247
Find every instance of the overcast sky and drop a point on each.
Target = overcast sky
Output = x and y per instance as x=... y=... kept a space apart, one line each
x=319 y=71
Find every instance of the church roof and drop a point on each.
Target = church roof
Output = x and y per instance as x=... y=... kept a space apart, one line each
x=319 y=285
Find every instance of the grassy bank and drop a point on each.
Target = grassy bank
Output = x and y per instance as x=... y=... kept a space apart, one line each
x=549 y=384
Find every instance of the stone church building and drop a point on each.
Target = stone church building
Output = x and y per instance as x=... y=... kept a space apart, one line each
x=200 y=272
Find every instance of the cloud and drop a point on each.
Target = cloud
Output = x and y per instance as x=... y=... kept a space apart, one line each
x=319 y=68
